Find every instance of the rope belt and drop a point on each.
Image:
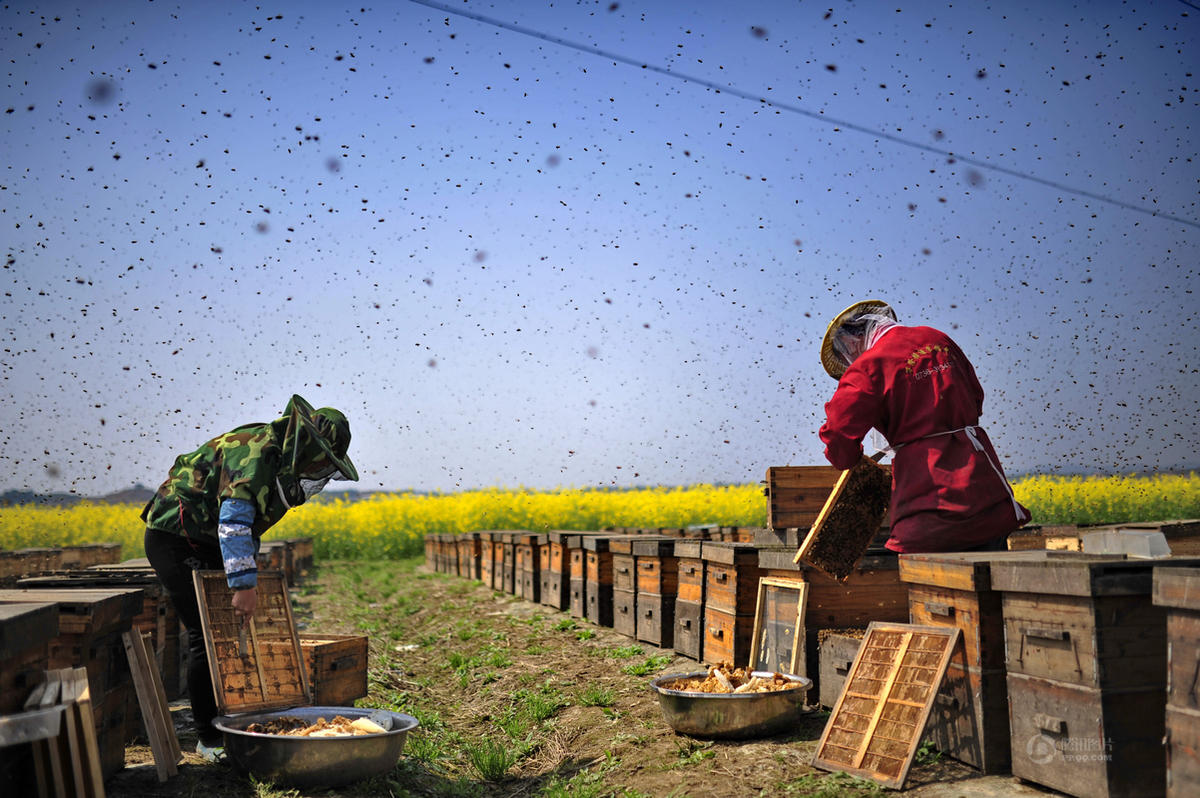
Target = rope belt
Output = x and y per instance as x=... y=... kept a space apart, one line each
x=970 y=429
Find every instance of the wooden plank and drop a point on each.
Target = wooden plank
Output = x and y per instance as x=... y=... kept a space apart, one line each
x=1177 y=587
x=155 y=714
x=877 y=724
x=848 y=521
x=93 y=777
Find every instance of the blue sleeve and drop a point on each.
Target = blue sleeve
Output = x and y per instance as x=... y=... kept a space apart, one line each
x=238 y=548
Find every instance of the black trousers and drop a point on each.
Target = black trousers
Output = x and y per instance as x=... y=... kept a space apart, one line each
x=174 y=558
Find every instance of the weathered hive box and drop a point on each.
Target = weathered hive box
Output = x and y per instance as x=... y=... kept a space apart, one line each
x=90 y=624
x=527 y=546
x=837 y=649
x=336 y=667
x=25 y=634
x=19 y=563
x=156 y=618
x=577 y=574
x=301 y=556
x=468 y=555
x=624 y=591
x=969 y=720
x=730 y=601
x=449 y=545
x=74 y=558
x=1086 y=655
x=656 y=583
x=689 y=598
x=599 y=579
x=796 y=494
x=431 y=551
x=508 y=561
x=272 y=556
x=1178 y=590
x=489 y=573
x=556 y=568
x=872 y=592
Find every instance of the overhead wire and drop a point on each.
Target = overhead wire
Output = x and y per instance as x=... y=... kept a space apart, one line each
x=800 y=110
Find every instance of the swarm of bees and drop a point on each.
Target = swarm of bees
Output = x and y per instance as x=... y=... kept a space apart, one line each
x=298 y=727
x=724 y=678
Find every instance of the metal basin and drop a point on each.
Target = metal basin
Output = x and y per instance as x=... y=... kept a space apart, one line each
x=730 y=715
x=309 y=761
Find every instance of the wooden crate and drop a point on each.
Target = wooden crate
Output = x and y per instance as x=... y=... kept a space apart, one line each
x=556 y=569
x=431 y=552
x=336 y=666
x=656 y=619
x=528 y=565
x=599 y=581
x=731 y=577
x=468 y=555
x=488 y=572
x=656 y=582
x=90 y=624
x=624 y=607
x=836 y=653
x=969 y=719
x=1183 y=751
x=727 y=637
x=508 y=562
x=25 y=634
x=796 y=494
x=690 y=574
x=302 y=552
x=20 y=563
x=1086 y=741
x=156 y=617
x=89 y=554
x=577 y=562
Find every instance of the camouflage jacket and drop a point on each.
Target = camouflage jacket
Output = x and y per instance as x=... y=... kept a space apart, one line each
x=255 y=463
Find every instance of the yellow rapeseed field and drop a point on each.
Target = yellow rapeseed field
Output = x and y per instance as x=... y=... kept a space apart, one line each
x=394 y=524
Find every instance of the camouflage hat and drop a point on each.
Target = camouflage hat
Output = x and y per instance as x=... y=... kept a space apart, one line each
x=316 y=435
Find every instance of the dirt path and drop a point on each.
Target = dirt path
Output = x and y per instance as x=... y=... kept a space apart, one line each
x=518 y=699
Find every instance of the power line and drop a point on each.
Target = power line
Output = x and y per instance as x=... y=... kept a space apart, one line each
x=796 y=109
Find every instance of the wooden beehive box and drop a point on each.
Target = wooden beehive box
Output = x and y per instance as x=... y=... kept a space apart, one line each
x=509 y=578
x=431 y=551
x=970 y=720
x=336 y=666
x=624 y=592
x=302 y=553
x=489 y=573
x=598 y=585
x=656 y=583
x=89 y=554
x=796 y=494
x=730 y=599
x=836 y=650
x=577 y=570
x=528 y=567
x=468 y=555
x=25 y=634
x=1178 y=591
x=157 y=616
x=689 y=597
x=556 y=575
x=1086 y=655
x=256 y=666
x=90 y=624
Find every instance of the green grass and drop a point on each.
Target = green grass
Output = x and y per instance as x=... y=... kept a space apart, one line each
x=626 y=652
x=832 y=785
x=596 y=696
x=649 y=666
x=491 y=759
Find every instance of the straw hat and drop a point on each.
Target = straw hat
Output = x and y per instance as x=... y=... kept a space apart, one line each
x=833 y=364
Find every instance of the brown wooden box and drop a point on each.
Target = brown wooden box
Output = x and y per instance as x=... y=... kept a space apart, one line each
x=598 y=559
x=431 y=551
x=1183 y=751
x=731 y=578
x=657 y=566
x=1085 y=741
x=796 y=494
x=656 y=619
x=489 y=566
x=727 y=637
x=624 y=570
x=578 y=598
x=25 y=634
x=336 y=667
x=599 y=603
x=689 y=629
x=528 y=567
x=1178 y=591
x=836 y=653
x=469 y=552
x=690 y=571
x=556 y=569
x=624 y=611
x=508 y=562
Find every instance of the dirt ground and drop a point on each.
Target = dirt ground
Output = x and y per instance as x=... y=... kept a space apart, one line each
x=518 y=699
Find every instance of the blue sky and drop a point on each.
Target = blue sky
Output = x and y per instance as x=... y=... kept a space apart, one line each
x=514 y=256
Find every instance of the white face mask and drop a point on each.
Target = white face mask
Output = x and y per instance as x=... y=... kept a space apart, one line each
x=312 y=487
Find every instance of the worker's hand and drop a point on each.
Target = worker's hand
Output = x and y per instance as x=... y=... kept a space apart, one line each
x=244 y=602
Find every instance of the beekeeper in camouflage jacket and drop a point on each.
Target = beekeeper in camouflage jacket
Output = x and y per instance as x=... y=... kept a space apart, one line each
x=214 y=507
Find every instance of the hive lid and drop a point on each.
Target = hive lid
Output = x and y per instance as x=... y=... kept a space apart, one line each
x=84 y=610
x=964 y=570
x=879 y=719
x=271 y=673
x=1077 y=574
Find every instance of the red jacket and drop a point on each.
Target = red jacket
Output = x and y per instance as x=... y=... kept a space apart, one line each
x=948 y=491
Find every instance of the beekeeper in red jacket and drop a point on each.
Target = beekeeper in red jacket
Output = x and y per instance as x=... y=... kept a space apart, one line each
x=916 y=387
